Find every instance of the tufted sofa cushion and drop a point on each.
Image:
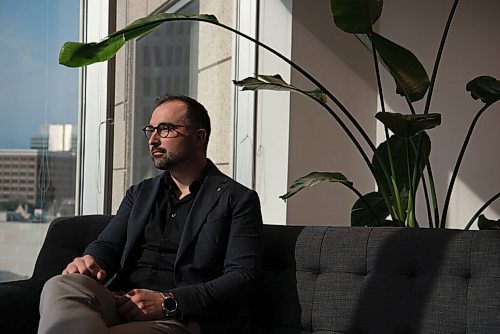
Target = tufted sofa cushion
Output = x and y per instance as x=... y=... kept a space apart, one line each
x=381 y=280
x=327 y=280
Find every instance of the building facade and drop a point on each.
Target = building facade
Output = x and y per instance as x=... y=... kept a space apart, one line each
x=19 y=175
x=42 y=178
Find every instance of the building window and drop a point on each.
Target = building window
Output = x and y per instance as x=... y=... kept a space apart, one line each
x=36 y=155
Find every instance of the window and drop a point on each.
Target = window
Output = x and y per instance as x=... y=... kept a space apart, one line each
x=159 y=68
x=188 y=58
x=35 y=154
x=177 y=58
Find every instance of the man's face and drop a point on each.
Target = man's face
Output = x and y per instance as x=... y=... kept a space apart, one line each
x=179 y=147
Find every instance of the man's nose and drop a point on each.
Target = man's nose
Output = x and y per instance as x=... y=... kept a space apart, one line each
x=155 y=138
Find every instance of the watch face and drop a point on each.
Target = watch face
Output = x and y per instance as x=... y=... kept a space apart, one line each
x=169 y=304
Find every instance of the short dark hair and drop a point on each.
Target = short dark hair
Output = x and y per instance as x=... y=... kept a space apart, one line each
x=197 y=114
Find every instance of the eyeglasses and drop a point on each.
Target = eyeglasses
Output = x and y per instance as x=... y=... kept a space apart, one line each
x=165 y=130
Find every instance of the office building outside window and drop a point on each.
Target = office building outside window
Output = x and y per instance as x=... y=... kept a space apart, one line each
x=39 y=101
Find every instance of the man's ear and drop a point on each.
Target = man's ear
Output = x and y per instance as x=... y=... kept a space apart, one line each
x=201 y=136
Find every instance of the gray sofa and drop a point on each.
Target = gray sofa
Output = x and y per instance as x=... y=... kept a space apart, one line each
x=329 y=279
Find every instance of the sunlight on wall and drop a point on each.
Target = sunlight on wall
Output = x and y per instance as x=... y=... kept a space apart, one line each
x=464 y=204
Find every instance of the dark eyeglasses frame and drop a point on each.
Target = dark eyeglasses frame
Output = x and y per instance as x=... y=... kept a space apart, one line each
x=168 y=127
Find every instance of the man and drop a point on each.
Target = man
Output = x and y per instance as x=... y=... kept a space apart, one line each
x=184 y=247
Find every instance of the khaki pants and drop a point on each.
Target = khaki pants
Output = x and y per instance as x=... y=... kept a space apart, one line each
x=77 y=304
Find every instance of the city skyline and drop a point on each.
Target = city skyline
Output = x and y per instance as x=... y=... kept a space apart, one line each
x=34 y=89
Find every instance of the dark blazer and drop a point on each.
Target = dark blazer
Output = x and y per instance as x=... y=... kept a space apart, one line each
x=219 y=256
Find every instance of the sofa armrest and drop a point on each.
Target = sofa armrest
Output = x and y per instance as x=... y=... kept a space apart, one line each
x=19 y=307
x=66 y=239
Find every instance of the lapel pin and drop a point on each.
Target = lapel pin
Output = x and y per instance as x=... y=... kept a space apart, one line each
x=219 y=189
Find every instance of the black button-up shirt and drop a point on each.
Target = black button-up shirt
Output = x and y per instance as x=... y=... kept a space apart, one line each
x=154 y=267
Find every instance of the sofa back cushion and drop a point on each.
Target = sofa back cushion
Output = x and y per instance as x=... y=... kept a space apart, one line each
x=380 y=280
x=66 y=239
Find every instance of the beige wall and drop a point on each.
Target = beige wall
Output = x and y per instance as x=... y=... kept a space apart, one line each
x=339 y=60
x=317 y=143
x=471 y=50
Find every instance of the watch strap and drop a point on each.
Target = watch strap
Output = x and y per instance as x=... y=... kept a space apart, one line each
x=169 y=305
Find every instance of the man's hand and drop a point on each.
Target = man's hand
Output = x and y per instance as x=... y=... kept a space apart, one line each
x=86 y=265
x=141 y=304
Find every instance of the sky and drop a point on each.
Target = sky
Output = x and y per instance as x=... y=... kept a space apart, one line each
x=34 y=89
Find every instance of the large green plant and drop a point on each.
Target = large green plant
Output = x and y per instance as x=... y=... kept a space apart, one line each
x=400 y=165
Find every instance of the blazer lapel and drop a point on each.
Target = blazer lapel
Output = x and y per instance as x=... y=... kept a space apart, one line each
x=139 y=217
x=207 y=197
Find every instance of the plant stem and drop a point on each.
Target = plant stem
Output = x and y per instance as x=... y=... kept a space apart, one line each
x=424 y=183
x=459 y=161
x=427 y=163
x=431 y=183
x=282 y=57
x=389 y=175
x=439 y=55
x=427 y=202
x=418 y=155
x=410 y=105
x=418 y=174
x=410 y=211
x=485 y=205
x=328 y=93
x=433 y=194
x=308 y=76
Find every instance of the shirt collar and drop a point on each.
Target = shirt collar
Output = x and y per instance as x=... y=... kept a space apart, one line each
x=169 y=184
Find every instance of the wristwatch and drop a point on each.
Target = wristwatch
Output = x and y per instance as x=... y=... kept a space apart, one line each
x=169 y=305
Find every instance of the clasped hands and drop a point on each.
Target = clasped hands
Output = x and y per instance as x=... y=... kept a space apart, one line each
x=135 y=305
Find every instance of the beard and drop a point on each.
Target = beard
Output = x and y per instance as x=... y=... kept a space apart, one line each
x=169 y=160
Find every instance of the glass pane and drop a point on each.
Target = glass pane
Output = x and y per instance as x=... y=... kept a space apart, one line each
x=191 y=59
x=166 y=61
x=39 y=101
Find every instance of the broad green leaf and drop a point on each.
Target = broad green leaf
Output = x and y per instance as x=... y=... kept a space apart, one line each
x=484 y=223
x=408 y=73
x=276 y=83
x=75 y=54
x=408 y=125
x=485 y=88
x=273 y=79
x=147 y=23
x=314 y=178
x=356 y=16
x=370 y=210
x=399 y=154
